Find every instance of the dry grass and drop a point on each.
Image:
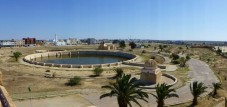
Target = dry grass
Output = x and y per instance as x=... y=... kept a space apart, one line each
x=203 y=102
x=182 y=75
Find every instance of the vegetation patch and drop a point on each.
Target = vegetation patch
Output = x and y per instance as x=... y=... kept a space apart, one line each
x=73 y=81
x=98 y=71
x=181 y=74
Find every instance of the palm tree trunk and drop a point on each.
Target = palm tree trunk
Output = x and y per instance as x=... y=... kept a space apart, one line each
x=161 y=103
x=195 y=102
x=121 y=102
x=215 y=92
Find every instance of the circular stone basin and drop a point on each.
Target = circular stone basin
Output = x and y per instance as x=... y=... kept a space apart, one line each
x=83 y=59
x=79 y=59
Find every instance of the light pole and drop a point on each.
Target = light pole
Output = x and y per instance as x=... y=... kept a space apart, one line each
x=29 y=89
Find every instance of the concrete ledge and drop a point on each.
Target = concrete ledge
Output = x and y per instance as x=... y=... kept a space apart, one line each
x=166 y=75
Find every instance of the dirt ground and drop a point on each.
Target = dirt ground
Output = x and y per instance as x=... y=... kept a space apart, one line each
x=18 y=77
x=65 y=101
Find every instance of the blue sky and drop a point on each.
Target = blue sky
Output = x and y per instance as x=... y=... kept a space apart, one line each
x=114 y=19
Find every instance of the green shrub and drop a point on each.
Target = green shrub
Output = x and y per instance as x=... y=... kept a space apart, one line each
x=98 y=71
x=175 y=61
x=73 y=81
x=188 y=57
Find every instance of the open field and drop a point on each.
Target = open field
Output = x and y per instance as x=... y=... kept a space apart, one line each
x=18 y=77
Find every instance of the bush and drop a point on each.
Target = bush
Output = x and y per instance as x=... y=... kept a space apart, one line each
x=73 y=81
x=98 y=71
x=175 y=62
x=188 y=57
x=182 y=62
x=144 y=51
x=152 y=57
x=175 y=56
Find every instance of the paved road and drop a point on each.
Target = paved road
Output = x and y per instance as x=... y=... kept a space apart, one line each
x=200 y=71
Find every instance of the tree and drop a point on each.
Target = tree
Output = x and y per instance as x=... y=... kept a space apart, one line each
x=115 y=41
x=175 y=56
x=132 y=45
x=126 y=91
x=197 y=89
x=160 y=47
x=219 y=51
x=216 y=86
x=183 y=62
x=164 y=91
x=16 y=55
x=122 y=44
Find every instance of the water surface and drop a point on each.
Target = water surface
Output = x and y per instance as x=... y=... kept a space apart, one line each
x=82 y=59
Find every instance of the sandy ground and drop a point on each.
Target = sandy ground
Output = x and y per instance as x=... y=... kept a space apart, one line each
x=68 y=101
x=18 y=77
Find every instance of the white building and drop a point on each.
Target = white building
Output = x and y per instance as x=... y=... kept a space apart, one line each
x=72 y=41
x=222 y=48
x=7 y=43
x=60 y=43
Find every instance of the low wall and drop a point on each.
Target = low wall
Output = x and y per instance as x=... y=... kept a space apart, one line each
x=163 y=74
x=31 y=59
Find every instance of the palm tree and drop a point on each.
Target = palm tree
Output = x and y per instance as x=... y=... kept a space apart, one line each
x=119 y=73
x=216 y=87
x=164 y=91
x=126 y=91
x=16 y=55
x=197 y=89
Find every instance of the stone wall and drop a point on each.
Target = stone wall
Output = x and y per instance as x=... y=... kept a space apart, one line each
x=6 y=100
x=31 y=59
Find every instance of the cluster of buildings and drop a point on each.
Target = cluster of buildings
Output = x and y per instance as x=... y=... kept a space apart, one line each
x=26 y=42
x=91 y=41
x=18 y=43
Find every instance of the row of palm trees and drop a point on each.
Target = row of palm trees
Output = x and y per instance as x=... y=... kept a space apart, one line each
x=127 y=90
